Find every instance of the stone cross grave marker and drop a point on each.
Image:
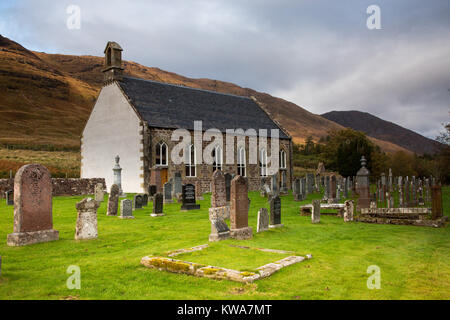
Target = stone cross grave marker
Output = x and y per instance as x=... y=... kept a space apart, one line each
x=33 y=220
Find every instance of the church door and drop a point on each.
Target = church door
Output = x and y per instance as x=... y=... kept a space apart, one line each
x=164 y=176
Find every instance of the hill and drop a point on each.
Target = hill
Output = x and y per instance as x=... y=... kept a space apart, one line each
x=384 y=130
x=46 y=99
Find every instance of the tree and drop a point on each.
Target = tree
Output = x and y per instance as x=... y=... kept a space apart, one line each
x=344 y=150
x=442 y=171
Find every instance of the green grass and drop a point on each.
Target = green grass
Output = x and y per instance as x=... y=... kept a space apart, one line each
x=414 y=261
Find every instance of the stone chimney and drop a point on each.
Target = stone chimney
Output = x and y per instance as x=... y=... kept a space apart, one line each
x=113 y=62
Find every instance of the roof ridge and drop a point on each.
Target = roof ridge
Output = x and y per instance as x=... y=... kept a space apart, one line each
x=187 y=87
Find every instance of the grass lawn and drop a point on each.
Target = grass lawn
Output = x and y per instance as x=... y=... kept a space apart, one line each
x=414 y=261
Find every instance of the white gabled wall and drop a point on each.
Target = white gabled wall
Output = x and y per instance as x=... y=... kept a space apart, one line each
x=113 y=129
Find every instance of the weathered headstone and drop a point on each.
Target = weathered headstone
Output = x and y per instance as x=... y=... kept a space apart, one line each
x=177 y=186
x=275 y=212
x=198 y=190
x=9 y=195
x=218 y=190
x=219 y=210
x=315 y=212
x=348 y=211
x=33 y=221
x=113 y=200
x=263 y=220
x=168 y=192
x=219 y=230
x=333 y=187
x=99 y=194
x=189 y=200
x=138 y=201
x=274 y=184
x=158 y=205
x=283 y=188
x=126 y=209
x=87 y=219
x=239 y=209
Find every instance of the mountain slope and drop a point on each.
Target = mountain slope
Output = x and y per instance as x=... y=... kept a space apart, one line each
x=46 y=99
x=384 y=130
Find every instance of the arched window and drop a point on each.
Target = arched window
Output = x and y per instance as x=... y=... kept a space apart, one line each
x=191 y=161
x=218 y=158
x=162 y=154
x=263 y=162
x=241 y=162
x=282 y=159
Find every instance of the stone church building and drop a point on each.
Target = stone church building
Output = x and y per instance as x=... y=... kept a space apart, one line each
x=135 y=118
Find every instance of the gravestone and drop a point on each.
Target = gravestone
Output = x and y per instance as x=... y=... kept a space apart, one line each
x=152 y=190
x=228 y=179
x=99 y=194
x=218 y=190
x=168 y=192
x=363 y=186
x=284 y=188
x=145 y=200
x=239 y=209
x=275 y=212
x=118 y=176
x=113 y=200
x=9 y=195
x=263 y=220
x=158 y=205
x=198 y=190
x=333 y=188
x=188 y=196
x=86 y=228
x=348 y=211
x=274 y=184
x=177 y=186
x=219 y=230
x=126 y=209
x=33 y=221
x=138 y=201
x=315 y=212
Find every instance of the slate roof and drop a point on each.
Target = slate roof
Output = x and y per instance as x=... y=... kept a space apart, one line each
x=170 y=106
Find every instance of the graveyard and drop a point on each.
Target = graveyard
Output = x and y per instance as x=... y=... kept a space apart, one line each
x=414 y=261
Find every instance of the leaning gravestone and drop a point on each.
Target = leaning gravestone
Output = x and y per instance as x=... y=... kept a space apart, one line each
x=188 y=196
x=87 y=219
x=263 y=220
x=33 y=221
x=315 y=212
x=9 y=198
x=167 y=189
x=158 y=205
x=113 y=200
x=239 y=209
x=138 y=202
x=275 y=212
x=99 y=194
x=126 y=209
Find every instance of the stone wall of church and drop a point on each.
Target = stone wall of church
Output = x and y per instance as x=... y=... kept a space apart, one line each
x=204 y=172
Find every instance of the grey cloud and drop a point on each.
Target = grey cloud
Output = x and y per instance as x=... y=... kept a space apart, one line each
x=318 y=54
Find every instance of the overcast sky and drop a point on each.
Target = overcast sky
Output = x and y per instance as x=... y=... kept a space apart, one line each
x=319 y=54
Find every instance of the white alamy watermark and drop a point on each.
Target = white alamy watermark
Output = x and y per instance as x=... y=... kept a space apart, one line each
x=190 y=152
x=374 y=281
x=374 y=20
x=74 y=19
x=74 y=281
